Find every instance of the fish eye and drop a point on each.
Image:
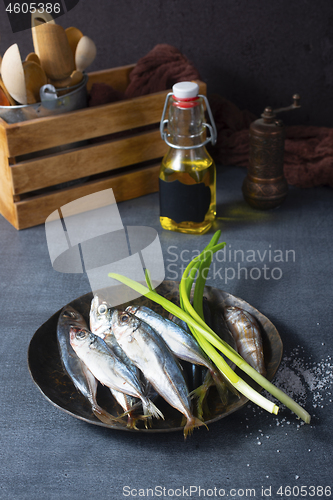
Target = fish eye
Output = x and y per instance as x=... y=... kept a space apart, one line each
x=102 y=309
x=124 y=318
x=81 y=334
x=69 y=314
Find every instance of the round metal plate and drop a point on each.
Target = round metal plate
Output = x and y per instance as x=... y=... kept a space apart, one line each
x=48 y=373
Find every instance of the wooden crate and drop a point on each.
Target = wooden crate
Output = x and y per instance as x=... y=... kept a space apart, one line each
x=114 y=146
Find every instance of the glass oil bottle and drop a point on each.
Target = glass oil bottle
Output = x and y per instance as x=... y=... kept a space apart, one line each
x=187 y=179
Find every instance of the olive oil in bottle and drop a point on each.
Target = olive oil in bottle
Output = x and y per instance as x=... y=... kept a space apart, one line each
x=187 y=179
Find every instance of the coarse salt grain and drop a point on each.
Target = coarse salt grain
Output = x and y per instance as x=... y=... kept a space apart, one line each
x=308 y=382
x=304 y=381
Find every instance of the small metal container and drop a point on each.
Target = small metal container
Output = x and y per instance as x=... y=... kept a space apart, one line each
x=62 y=103
x=265 y=186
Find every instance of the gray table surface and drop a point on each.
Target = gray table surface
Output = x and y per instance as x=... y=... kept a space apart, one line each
x=47 y=454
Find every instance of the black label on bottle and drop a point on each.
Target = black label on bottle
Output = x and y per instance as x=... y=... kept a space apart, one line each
x=184 y=202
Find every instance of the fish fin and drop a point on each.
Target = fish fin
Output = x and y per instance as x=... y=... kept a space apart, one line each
x=131 y=423
x=200 y=393
x=148 y=423
x=104 y=416
x=223 y=390
x=151 y=410
x=133 y=407
x=133 y=418
x=191 y=424
x=144 y=417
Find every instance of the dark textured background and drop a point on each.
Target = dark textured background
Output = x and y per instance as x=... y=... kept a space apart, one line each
x=254 y=53
x=45 y=454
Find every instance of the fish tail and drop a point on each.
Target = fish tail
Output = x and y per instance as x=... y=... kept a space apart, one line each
x=133 y=419
x=149 y=409
x=104 y=416
x=130 y=410
x=191 y=423
x=200 y=393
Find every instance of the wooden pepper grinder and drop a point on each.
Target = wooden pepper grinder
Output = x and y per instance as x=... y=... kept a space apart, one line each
x=265 y=186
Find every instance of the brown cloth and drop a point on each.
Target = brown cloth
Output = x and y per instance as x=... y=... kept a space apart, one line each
x=308 y=157
x=102 y=93
x=159 y=70
x=232 y=125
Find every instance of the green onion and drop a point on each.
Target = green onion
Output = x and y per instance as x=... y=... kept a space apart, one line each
x=227 y=350
x=207 y=338
x=201 y=281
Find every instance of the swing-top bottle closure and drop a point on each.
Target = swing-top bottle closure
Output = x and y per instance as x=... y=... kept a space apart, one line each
x=186 y=95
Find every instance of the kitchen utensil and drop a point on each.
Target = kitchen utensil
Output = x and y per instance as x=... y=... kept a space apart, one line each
x=73 y=36
x=265 y=186
x=53 y=49
x=3 y=99
x=7 y=94
x=85 y=53
x=35 y=78
x=75 y=78
x=13 y=74
x=33 y=57
x=38 y=18
x=48 y=106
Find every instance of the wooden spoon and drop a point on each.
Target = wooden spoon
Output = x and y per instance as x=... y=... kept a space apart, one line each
x=35 y=78
x=73 y=36
x=3 y=99
x=7 y=94
x=75 y=78
x=38 y=18
x=13 y=74
x=85 y=53
x=33 y=57
x=52 y=47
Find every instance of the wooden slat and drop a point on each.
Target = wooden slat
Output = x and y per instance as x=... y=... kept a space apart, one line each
x=35 y=135
x=34 y=211
x=7 y=208
x=55 y=169
x=118 y=78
